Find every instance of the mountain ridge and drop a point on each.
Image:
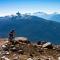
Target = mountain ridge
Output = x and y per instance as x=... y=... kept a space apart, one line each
x=32 y=27
x=53 y=16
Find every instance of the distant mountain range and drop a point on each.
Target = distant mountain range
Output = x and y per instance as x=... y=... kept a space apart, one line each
x=54 y=16
x=33 y=27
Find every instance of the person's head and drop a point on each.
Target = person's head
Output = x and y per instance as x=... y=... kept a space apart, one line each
x=13 y=31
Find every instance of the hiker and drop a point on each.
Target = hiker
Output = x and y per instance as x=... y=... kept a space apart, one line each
x=12 y=35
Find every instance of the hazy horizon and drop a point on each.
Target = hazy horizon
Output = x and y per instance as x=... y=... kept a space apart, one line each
x=8 y=7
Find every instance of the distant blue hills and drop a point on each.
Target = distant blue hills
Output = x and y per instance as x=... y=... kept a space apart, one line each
x=33 y=27
x=54 y=16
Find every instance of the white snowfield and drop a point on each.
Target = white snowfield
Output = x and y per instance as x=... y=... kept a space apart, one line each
x=21 y=38
x=46 y=44
x=16 y=38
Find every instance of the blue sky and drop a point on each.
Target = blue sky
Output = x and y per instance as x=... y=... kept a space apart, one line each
x=8 y=7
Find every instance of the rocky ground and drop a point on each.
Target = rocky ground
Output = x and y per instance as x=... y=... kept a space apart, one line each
x=18 y=50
